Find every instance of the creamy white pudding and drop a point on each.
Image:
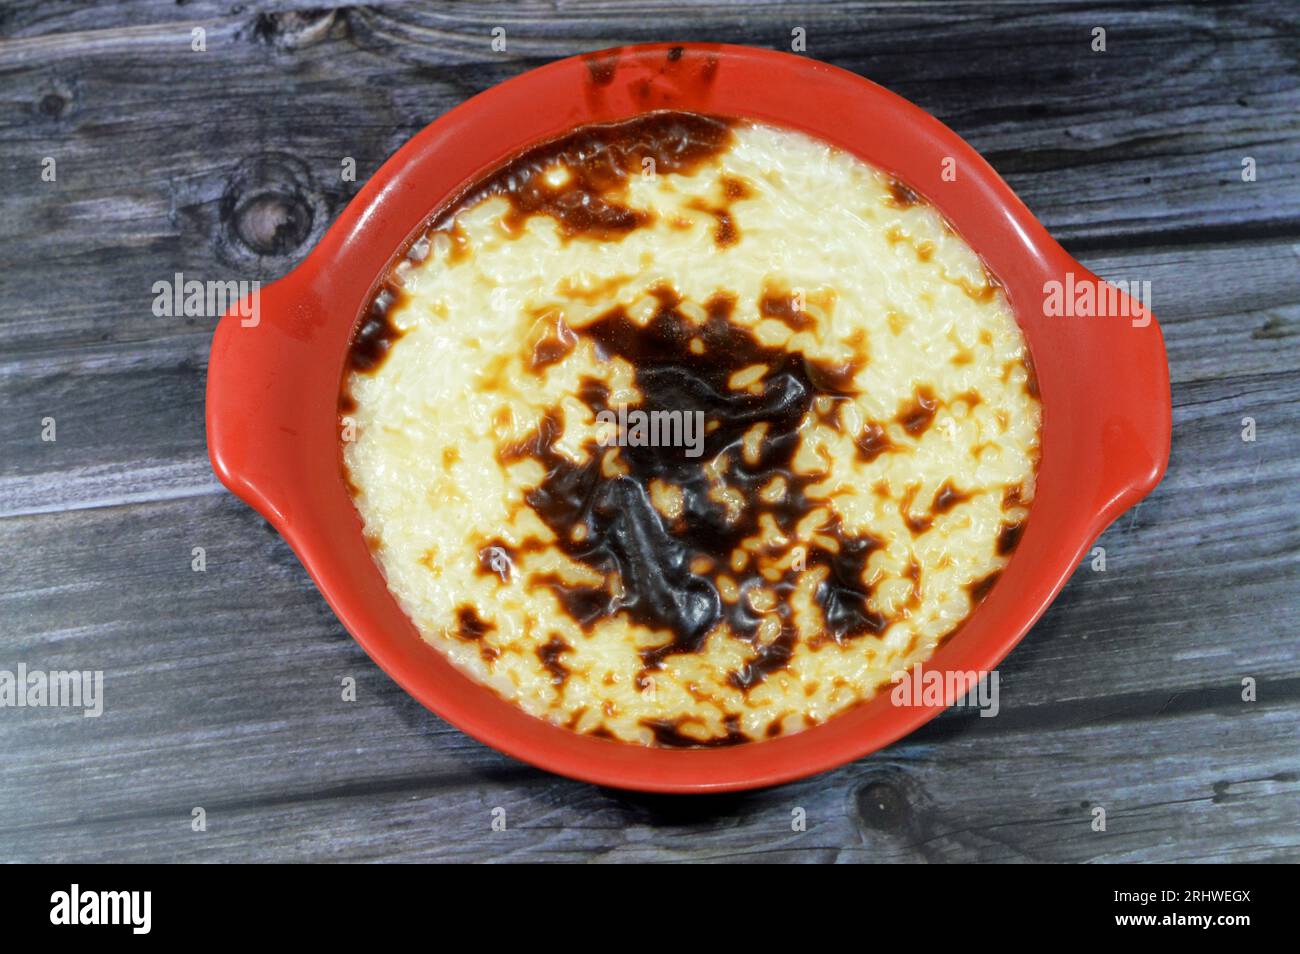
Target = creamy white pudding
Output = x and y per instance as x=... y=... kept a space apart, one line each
x=686 y=431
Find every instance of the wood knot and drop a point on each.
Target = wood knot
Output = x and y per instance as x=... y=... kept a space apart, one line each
x=272 y=223
x=270 y=208
x=55 y=101
x=883 y=806
x=52 y=105
x=294 y=29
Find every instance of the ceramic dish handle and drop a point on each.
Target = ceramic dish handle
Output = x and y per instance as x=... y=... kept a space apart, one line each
x=1119 y=352
x=260 y=373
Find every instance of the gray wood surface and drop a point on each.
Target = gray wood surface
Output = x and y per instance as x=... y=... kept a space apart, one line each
x=223 y=687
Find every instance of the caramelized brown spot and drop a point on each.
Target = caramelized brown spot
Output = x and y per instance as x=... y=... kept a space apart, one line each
x=549 y=653
x=583 y=604
x=1009 y=537
x=725 y=233
x=493 y=377
x=470 y=626
x=980 y=588
x=917 y=525
x=668 y=733
x=781 y=305
x=982 y=293
x=457 y=239
x=734 y=188
x=772 y=657
x=376 y=334
x=536 y=443
x=450 y=456
x=917 y=414
x=599 y=159
x=900 y=196
x=914 y=574
x=1031 y=377
x=872 y=442
x=553 y=346
x=947 y=497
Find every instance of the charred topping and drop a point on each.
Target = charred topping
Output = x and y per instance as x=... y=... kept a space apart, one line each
x=980 y=588
x=549 y=653
x=376 y=334
x=1012 y=496
x=1009 y=537
x=726 y=233
x=668 y=733
x=625 y=537
x=469 y=625
x=553 y=346
x=780 y=304
x=917 y=414
x=1031 y=376
x=901 y=196
x=599 y=159
x=872 y=442
x=947 y=497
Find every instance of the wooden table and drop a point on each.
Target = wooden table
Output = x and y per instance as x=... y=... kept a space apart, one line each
x=222 y=688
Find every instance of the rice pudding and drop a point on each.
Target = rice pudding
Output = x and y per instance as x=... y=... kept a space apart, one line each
x=688 y=431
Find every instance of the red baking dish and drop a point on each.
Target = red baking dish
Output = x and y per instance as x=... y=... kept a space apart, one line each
x=273 y=386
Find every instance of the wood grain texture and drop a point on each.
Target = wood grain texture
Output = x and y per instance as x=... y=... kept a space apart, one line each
x=223 y=687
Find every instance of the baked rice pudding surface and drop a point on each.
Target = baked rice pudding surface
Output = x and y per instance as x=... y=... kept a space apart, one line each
x=870 y=431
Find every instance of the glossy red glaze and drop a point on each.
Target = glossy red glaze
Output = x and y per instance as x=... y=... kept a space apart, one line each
x=273 y=388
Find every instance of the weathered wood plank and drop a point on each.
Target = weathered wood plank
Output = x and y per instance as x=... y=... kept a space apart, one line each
x=158 y=146
x=1219 y=785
